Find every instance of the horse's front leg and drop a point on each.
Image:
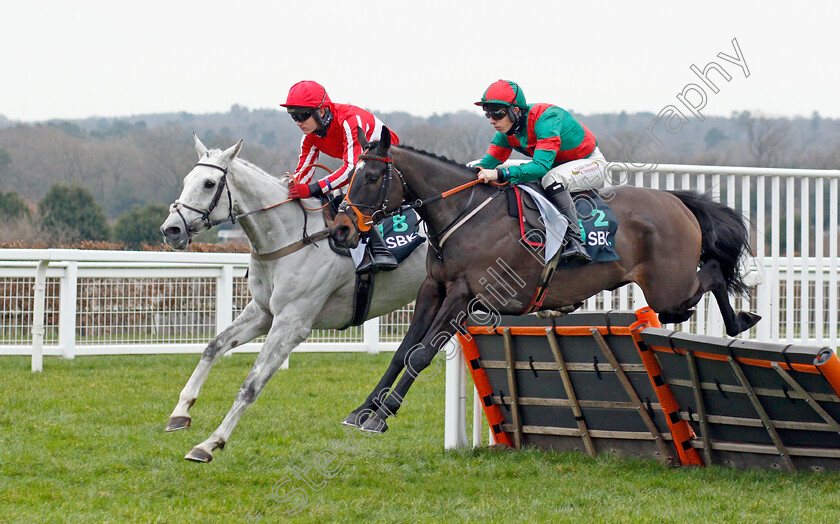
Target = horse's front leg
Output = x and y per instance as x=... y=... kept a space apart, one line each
x=251 y=323
x=429 y=299
x=289 y=328
x=419 y=356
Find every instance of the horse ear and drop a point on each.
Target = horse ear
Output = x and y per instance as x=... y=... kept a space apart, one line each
x=200 y=148
x=360 y=136
x=385 y=138
x=231 y=152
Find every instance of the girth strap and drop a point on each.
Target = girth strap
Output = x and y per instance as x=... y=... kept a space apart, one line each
x=362 y=298
x=543 y=283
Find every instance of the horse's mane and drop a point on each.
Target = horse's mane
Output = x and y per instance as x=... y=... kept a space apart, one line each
x=255 y=167
x=440 y=158
x=445 y=160
x=249 y=165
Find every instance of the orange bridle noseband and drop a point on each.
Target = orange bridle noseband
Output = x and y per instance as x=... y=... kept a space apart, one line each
x=365 y=222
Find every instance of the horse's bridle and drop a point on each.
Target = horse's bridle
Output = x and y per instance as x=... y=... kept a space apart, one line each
x=176 y=206
x=232 y=218
x=365 y=222
x=205 y=215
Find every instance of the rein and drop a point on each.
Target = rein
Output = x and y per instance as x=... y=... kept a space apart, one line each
x=291 y=248
x=232 y=218
x=365 y=222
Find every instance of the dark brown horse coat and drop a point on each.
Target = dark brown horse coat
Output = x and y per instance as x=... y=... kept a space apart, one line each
x=481 y=266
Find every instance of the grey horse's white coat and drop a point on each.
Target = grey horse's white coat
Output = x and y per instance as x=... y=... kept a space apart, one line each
x=309 y=289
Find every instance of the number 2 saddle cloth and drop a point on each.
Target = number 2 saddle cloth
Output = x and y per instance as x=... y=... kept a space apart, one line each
x=542 y=230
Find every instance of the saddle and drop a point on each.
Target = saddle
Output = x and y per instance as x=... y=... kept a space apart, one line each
x=522 y=207
x=598 y=223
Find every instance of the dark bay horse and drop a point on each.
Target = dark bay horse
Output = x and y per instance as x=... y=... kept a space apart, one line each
x=477 y=264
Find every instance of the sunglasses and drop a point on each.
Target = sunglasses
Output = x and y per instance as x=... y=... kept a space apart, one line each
x=301 y=116
x=495 y=114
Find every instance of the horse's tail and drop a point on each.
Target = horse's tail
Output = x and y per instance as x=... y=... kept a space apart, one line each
x=725 y=236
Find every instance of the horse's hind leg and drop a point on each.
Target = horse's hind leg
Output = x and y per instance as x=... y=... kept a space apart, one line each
x=735 y=322
x=711 y=279
x=682 y=312
x=419 y=356
x=250 y=324
x=428 y=303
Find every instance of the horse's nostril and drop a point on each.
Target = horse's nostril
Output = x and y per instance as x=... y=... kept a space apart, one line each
x=340 y=233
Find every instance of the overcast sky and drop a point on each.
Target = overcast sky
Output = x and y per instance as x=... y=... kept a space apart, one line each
x=78 y=59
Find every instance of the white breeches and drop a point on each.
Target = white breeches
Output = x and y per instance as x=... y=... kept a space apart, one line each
x=579 y=175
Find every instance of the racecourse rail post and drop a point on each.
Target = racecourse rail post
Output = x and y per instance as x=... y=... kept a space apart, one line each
x=455 y=407
x=38 y=316
x=67 y=310
x=224 y=298
x=370 y=335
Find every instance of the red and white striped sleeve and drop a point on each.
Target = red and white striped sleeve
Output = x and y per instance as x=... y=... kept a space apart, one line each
x=308 y=155
x=352 y=149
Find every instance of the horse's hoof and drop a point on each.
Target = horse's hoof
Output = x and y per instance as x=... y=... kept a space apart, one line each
x=748 y=319
x=176 y=423
x=197 y=454
x=355 y=420
x=374 y=424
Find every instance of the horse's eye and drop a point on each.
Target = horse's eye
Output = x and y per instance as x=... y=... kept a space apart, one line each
x=372 y=177
x=209 y=184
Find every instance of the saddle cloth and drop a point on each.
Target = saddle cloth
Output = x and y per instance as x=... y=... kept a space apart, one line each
x=401 y=234
x=598 y=223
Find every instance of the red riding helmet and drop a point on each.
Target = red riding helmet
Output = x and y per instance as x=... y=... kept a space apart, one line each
x=503 y=92
x=307 y=93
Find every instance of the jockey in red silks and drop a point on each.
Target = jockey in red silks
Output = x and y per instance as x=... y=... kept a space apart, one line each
x=331 y=128
x=565 y=155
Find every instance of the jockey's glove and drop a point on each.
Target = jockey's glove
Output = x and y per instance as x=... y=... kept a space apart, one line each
x=305 y=190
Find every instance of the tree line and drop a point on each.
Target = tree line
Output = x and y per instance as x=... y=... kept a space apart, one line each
x=121 y=173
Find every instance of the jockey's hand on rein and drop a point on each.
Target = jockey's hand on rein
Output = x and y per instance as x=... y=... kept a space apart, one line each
x=305 y=190
x=487 y=175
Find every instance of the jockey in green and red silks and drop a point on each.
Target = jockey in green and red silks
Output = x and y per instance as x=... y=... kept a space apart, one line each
x=548 y=134
x=564 y=152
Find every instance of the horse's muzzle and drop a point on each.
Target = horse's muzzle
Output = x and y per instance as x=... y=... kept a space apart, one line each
x=174 y=232
x=343 y=232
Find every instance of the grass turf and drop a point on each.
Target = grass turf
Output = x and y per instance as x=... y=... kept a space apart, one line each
x=84 y=442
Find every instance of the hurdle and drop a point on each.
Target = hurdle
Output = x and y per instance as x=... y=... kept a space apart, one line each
x=616 y=382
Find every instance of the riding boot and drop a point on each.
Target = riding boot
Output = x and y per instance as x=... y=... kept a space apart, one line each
x=377 y=257
x=572 y=243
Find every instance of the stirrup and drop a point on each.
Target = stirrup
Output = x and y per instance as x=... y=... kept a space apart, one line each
x=376 y=260
x=575 y=251
x=384 y=261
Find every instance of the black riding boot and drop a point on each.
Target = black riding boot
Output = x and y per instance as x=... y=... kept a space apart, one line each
x=572 y=243
x=377 y=257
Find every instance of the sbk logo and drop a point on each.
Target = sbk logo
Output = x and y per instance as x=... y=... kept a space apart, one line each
x=400 y=240
x=597 y=238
